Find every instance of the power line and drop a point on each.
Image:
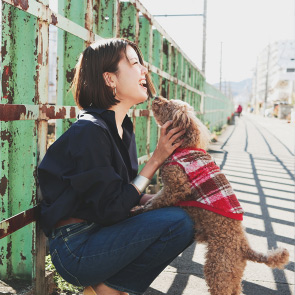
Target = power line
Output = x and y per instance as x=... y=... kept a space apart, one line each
x=204 y=15
x=166 y=15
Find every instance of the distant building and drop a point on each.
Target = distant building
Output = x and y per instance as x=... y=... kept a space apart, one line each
x=274 y=77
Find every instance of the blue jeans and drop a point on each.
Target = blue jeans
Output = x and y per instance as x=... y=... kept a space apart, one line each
x=126 y=256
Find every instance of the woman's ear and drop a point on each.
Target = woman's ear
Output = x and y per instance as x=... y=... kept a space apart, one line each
x=181 y=119
x=109 y=79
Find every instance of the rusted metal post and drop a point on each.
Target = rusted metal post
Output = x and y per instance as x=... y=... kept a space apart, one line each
x=42 y=130
x=18 y=138
x=69 y=47
x=24 y=109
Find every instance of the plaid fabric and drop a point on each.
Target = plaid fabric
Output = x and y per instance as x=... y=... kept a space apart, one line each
x=210 y=186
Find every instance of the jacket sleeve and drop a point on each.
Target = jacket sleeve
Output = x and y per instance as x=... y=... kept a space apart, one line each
x=100 y=188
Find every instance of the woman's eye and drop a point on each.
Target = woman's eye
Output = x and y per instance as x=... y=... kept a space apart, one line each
x=135 y=63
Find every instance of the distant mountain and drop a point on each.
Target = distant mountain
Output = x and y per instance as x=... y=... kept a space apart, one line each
x=239 y=91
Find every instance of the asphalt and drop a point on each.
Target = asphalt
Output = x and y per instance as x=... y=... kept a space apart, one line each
x=257 y=156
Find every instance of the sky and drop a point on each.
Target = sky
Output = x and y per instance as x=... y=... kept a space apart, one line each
x=244 y=27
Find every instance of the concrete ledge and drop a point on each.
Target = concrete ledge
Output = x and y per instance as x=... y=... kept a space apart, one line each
x=21 y=287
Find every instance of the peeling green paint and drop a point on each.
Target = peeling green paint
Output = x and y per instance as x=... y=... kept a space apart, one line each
x=4 y=226
x=128 y=21
x=104 y=18
x=69 y=50
x=18 y=138
x=144 y=37
x=21 y=61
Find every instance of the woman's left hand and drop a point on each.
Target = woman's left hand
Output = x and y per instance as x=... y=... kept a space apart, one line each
x=145 y=198
x=167 y=143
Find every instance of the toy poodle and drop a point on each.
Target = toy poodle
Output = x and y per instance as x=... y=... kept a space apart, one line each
x=191 y=179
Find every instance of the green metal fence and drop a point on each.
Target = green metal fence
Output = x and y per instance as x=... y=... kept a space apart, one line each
x=217 y=108
x=25 y=111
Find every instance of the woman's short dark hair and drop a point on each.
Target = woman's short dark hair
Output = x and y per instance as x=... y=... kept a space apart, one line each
x=88 y=85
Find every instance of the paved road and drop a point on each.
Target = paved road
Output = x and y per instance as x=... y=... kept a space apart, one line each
x=257 y=155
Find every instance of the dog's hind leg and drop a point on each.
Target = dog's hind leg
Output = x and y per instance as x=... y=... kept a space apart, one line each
x=223 y=271
x=236 y=281
x=218 y=281
x=237 y=274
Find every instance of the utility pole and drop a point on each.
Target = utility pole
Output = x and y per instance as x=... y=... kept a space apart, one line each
x=204 y=37
x=230 y=90
x=225 y=87
x=255 y=93
x=204 y=15
x=293 y=92
x=266 y=79
x=220 y=81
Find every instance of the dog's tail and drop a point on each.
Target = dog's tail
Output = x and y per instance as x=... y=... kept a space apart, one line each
x=277 y=258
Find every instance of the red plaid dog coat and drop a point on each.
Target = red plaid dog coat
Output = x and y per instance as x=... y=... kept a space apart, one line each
x=210 y=187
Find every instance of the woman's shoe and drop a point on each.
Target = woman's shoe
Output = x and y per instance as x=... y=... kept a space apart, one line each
x=89 y=291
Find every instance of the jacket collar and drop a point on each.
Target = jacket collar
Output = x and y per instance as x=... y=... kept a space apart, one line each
x=109 y=117
x=92 y=110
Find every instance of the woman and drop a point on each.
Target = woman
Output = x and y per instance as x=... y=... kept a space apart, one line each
x=89 y=182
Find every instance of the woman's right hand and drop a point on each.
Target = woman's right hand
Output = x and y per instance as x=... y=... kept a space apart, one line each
x=165 y=147
x=166 y=144
x=145 y=198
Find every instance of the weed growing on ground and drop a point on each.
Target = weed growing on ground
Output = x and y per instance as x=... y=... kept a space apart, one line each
x=63 y=287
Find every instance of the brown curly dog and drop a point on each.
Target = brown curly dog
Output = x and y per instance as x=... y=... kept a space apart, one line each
x=192 y=180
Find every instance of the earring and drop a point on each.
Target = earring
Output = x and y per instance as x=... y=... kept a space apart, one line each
x=114 y=91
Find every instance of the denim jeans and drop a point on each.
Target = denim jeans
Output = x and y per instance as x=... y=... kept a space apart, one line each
x=126 y=256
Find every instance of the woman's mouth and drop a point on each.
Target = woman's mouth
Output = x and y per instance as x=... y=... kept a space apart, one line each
x=142 y=83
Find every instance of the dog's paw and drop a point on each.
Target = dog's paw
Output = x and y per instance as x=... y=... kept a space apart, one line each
x=148 y=205
x=136 y=210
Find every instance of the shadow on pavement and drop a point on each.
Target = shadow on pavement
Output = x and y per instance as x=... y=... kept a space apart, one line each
x=260 y=181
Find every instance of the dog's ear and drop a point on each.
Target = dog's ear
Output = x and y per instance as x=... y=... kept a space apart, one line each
x=181 y=118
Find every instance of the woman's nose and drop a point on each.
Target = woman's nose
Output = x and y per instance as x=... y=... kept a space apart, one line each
x=144 y=70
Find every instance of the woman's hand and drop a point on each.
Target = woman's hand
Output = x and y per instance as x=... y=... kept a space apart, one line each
x=166 y=144
x=140 y=207
x=145 y=198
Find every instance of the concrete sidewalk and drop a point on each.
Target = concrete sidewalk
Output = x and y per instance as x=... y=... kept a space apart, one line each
x=257 y=155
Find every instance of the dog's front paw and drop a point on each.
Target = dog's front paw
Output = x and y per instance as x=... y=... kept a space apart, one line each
x=148 y=205
x=136 y=210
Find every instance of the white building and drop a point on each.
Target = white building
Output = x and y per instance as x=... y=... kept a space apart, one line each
x=274 y=76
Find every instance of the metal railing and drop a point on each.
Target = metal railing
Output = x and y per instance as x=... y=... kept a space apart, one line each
x=25 y=111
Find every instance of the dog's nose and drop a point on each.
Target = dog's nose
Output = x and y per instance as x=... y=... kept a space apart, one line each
x=156 y=98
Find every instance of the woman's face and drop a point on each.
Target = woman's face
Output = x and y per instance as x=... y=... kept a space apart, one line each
x=130 y=79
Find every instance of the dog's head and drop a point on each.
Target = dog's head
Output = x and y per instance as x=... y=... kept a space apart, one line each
x=182 y=115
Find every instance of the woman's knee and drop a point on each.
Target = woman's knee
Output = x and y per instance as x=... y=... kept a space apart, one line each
x=181 y=222
x=166 y=222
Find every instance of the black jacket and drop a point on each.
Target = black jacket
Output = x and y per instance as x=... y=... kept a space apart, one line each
x=86 y=172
